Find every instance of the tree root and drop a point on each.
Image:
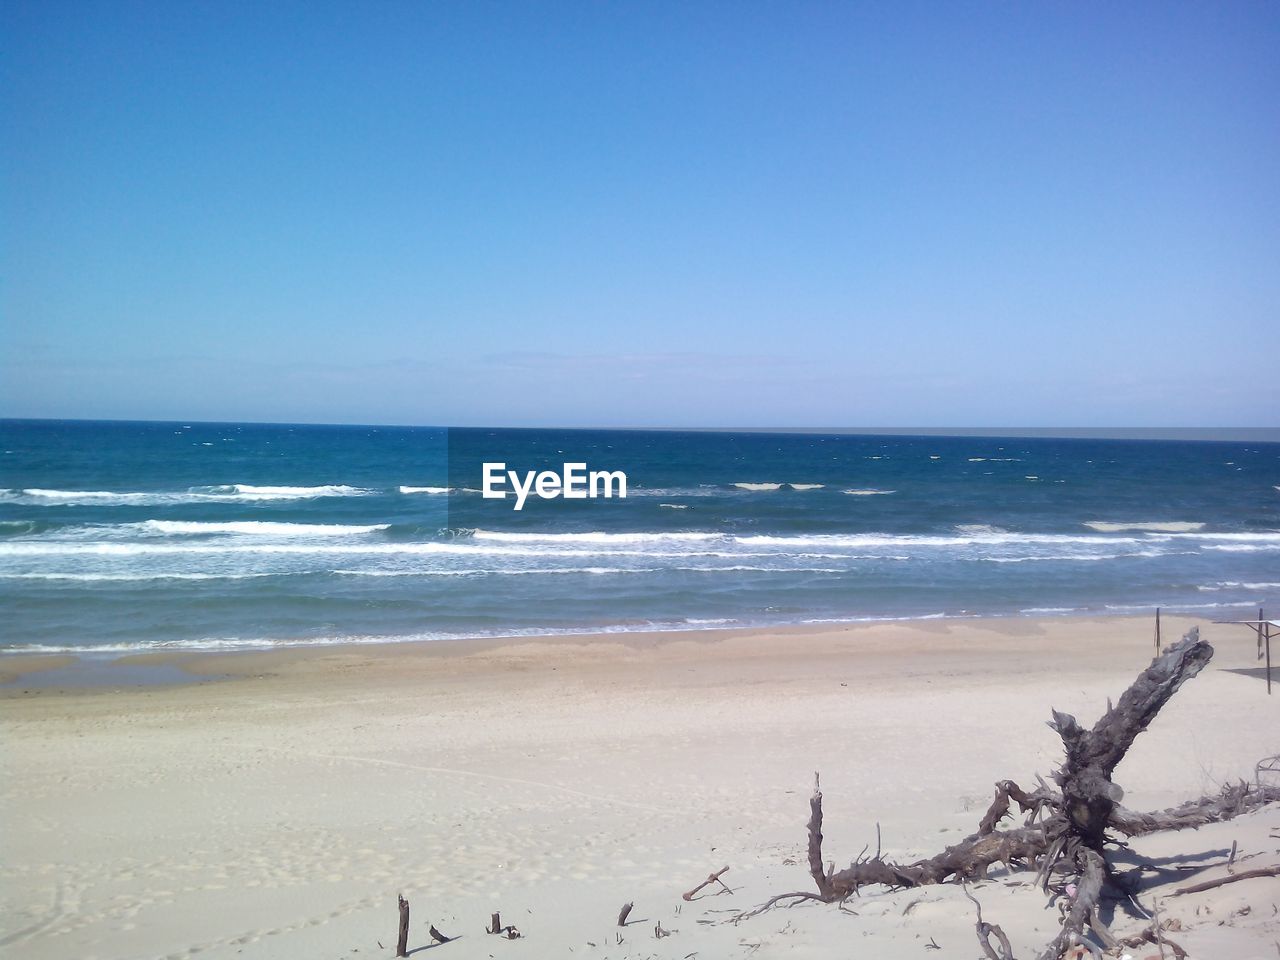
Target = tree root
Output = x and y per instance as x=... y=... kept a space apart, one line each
x=1064 y=830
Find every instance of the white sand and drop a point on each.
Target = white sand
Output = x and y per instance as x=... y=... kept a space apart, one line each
x=277 y=814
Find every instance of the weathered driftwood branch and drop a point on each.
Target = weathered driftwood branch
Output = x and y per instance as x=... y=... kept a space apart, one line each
x=402 y=938
x=1064 y=830
x=816 y=869
x=623 y=913
x=1230 y=878
x=1234 y=800
x=1089 y=797
x=1002 y=950
x=1152 y=935
x=713 y=878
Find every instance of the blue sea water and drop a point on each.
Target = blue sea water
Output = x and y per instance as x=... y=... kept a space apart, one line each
x=118 y=537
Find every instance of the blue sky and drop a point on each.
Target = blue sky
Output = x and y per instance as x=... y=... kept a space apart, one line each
x=706 y=214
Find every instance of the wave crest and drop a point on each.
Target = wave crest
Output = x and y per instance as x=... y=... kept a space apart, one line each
x=217 y=493
x=1145 y=526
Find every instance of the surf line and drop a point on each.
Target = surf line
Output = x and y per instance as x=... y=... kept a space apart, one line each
x=574 y=482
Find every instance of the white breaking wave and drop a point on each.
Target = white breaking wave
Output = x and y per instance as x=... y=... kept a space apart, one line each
x=496 y=572
x=72 y=494
x=706 y=490
x=314 y=548
x=922 y=616
x=426 y=489
x=1192 y=605
x=1151 y=526
x=994 y=538
x=592 y=537
x=534 y=571
x=296 y=544
x=1237 y=585
x=285 y=493
x=225 y=493
x=131 y=577
x=675 y=506
x=779 y=486
x=868 y=492
x=39 y=497
x=1270 y=536
x=256 y=528
x=979 y=529
x=270 y=643
x=1066 y=556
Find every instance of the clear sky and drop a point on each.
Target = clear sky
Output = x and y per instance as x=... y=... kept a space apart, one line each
x=764 y=214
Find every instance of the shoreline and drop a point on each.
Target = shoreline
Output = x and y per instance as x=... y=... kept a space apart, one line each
x=174 y=665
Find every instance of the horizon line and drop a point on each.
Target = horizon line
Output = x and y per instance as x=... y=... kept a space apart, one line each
x=1210 y=434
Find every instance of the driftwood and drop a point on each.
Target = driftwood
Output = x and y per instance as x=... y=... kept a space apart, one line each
x=1153 y=935
x=402 y=939
x=713 y=878
x=623 y=913
x=437 y=936
x=1002 y=950
x=1232 y=878
x=1065 y=830
x=495 y=926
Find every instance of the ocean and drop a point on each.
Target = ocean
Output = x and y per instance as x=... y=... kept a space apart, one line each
x=121 y=537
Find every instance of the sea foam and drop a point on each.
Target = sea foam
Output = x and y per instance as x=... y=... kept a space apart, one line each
x=220 y=493
x=263 y=528
x=1149 y=526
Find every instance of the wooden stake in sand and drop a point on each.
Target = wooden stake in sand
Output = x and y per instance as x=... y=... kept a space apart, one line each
x=402 y=941
x=496 y=927
x=622 y=914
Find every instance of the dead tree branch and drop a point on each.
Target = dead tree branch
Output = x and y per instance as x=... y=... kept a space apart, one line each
x=1231 y=878
x=1064 y=830
x=713 y=878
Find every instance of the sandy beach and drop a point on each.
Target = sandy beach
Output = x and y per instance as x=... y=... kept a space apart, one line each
x=276 y=803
